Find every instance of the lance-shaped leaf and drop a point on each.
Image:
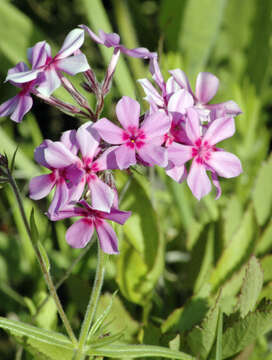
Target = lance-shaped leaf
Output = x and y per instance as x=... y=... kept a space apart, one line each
x=43 y=343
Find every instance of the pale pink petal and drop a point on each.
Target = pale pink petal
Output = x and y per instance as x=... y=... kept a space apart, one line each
x=179 y=154
x=125 y=157
x=107 y=160
x=180 y=101
x=156 y=72
x=225 y=164
x=153 y=154
x=50 y=83
x=198 y=180
x=68 y=138
x=177 y=173
x=156 y=125
x=171 y=85
x=88 y=139
x=225 y=108
x=109 y=132
x=80 y=233
x=73 y=64
x=58 y=156
x=137 y=52
x=181 y=79
x=107 y=238
x=24 y=104
x=76 y=190
x=192 y=126
x=151 y=92
x=219 y=130
x=72 y=42
x=206 y=87
x=23 y=77
x=38 y=54
x=40 y=186
x=102 y=195
x=128 y=112
x=39 y=153
x=19 y=68
x=117 y=215
x=9 y=106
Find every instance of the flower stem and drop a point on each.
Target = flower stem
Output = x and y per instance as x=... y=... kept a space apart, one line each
x=41 y=261
x=90 y=312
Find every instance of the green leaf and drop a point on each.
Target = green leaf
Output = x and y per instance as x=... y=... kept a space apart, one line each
x=138 y=351
x=33 y=227
x=232 y=216
x=201 y=338
x=243 y=332
x=49 y=344
x=98 y=19
x=144 y=244
x=262 y=194
x=237 y=251
x=266 y=264
x=264 y=243
x=206 y=15
x=47 y=316
x=251 y=287
x=219 y=343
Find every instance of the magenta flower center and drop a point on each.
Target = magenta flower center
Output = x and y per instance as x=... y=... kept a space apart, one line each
x=202 y=151
x=134 y=137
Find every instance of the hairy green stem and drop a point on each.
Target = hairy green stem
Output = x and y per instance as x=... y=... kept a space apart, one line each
x=41 y=261
x=90 y=312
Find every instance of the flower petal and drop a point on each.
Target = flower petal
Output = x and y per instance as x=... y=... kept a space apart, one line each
x=68 y=138
x=109 y=132
x=128 y=112
x=109 y=39
x=72 y=42
x=107 y=238
x=151 y=92
x=23 y=77
x=177 y=173
x=38 y=54
x=156 y=125
x=24 y=104
x=125 y=156
x=80 y=233
x=8 y=106
x=92 y=34
x=192 y=126
x=60 y=198
x=153 y=154
x=40 y=186
x=225 y=164
x=117 y=215
x=180 y=101
x=216 y=184
x=225 y=108
x=181 y=79
x=179 y=154
x=58 y=156
x=73 y=64
x=198 y=180
x=206 y=87
x=219 y=130
x=102 y=195
x=140 y=52
x=50 y=82
x=88 y=139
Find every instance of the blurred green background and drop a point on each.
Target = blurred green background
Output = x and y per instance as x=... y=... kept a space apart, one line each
x=175 y=251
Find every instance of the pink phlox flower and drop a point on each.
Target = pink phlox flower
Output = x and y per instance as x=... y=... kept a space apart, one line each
x=94 y=162
x=113 y=40
x=80 y=233
x=66 y=176
x=205 y=155
x=143 y=139
x=20 y=104
x=42 y=61
x=206 y=87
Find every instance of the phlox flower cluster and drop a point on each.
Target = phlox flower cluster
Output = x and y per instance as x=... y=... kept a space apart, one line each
x=180 y=126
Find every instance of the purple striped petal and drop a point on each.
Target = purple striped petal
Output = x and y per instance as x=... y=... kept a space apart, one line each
x=128 y=112
x=219 y=130
x=9 y=106
x=180 y=101
x=198 y=180
x=24 y=104
x=58 y=156
x=23 y=77
x=73 y=64
x=107 y=238
x=68 y=138
x=107 y=160
x=153 y=154
x=109 y=132
x=39 y=153
x=206 y=87
x=80 y=233
x=225 y=164
x=102 y=195
x=117 y=216
x=156 y=125
x=72 y=42
x=192 y=126
x=40 y=186
x=61 y=196
x=38 y=54
x=50 y=83
x=125 y=156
